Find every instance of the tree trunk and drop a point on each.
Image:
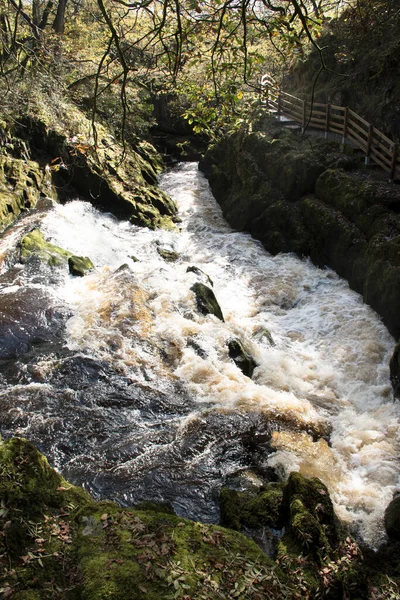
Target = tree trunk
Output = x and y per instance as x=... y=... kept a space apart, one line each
x=59 y=21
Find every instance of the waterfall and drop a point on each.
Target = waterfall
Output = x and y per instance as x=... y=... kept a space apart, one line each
x=131 y=391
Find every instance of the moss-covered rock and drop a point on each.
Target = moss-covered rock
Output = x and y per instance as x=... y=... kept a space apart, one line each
x=80 y=265
x=252 y=509
x=57 y=542
x=168 y=255
x=34 y=245
x=312 y=521
x=206 y=301
x=21 y=184
x=317 y=557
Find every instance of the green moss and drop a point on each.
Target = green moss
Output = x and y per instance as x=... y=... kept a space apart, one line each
x=79 y=265
x=22 y=183
x=72 y=547
x=56 y=542
x=252 y=509
x=34 y=244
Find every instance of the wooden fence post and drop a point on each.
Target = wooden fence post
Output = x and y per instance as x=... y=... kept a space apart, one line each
x=328 y=112
x=304 y=116
x=345 y=124
x=279 y=104
x=369 y=144
x=394 y=161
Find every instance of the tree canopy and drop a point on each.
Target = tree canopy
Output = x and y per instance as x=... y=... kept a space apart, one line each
x=210 y=52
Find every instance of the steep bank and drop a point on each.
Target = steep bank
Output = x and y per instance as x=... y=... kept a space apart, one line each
x=64 y=157
x=300 y=194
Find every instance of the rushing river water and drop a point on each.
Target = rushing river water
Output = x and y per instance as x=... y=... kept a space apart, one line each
x=131 y=392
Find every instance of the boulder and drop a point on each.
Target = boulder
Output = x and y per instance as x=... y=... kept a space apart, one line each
x=241 y=358
x=168 y=255
x=34 y=245
x=206 y=301
x=252 y=509
x=80 y=265
x=392 y=519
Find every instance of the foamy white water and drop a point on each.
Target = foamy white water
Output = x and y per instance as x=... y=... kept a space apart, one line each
x=322 y=355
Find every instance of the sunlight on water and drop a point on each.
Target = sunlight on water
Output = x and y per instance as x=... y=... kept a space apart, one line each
x=322 y=356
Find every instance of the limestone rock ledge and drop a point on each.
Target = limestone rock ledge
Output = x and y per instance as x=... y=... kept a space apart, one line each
x=63 y=159
x=300 y=194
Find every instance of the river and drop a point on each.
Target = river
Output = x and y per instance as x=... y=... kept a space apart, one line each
x=131 y=392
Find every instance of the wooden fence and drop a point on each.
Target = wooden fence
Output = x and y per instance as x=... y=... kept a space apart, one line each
x=341 y=120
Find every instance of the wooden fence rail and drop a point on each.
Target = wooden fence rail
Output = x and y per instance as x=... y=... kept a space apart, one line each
x=330 y=118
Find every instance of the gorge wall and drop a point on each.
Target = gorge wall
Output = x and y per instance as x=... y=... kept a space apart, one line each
x=301 y=194
x=40 y=156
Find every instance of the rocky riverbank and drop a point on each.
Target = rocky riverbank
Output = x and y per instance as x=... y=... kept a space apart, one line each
x=301 y=194
x=57 y=542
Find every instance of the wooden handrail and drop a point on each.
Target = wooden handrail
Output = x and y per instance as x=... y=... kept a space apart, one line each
x=378 y=148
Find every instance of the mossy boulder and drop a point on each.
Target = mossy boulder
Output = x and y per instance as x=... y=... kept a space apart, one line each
x=312 y=520
x=57 y=542
x=206 y=301
x=252 y=509
x=168 y=255
x=34 y=245
x=309 y=546
x=80 y=265
x=392 y=519
x=242 y=359
x=302 y=506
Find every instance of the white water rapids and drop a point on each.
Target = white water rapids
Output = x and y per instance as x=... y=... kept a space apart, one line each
x=322 y=376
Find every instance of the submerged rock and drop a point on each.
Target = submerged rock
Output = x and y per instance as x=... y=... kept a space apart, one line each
x=241 y=358
x=80 y=265
x=263 y=332
x=206 y=301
